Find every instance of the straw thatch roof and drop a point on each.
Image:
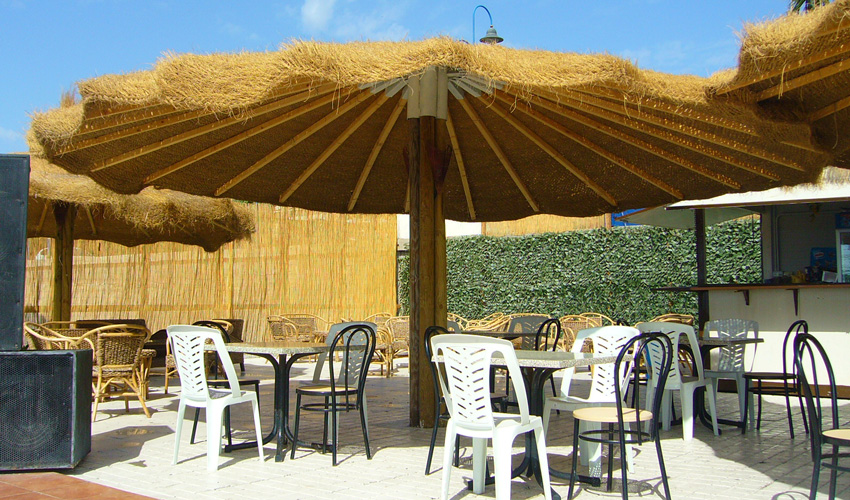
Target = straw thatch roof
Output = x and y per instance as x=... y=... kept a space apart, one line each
x=148 y=217
x=797 y=68
x=318 y=126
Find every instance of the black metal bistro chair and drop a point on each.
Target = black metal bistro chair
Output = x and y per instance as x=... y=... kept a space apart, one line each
x=629 y=425
x=788 y=379
x=824 y=430
x=344 y=392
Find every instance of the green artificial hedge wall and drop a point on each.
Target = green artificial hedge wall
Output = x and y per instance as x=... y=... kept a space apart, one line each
x=610 y=271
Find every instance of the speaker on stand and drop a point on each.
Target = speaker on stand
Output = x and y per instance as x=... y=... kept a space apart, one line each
x=45 y=396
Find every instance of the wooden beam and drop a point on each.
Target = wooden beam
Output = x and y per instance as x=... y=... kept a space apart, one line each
x=558 y=157
x=803 y=80
x=680 y=128
x=450 y=128
x=497 y=150
x=418 y=269
x=247 y=134
x=43 y=216
x=639 y=101
x=294 y=141
x=376 y=149
x=92 y=124
x=787 y=68
x=91 y=220
x=674 y=139
x=612 y=132
x=337 y=142
x=177 y=139
x=829 y=110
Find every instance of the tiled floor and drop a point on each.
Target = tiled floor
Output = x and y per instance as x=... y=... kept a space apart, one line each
x=52 y=485
x=133 y=453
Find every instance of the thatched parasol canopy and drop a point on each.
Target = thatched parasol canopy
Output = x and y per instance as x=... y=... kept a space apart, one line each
x=318 y=126
x=796 y=68
x=148 y=217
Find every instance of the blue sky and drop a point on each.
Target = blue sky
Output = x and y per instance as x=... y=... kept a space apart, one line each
x=46 y=46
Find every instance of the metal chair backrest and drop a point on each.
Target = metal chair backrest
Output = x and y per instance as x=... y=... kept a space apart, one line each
x=356 y=344
x=657 y=350
x=798 y=327
x=606 y=340
x=812 y=366
x=467 y=360
x=732 y=357
x=187 y=345
x=548 y=335
x=333 y=332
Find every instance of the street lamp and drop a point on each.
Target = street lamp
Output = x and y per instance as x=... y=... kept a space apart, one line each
x=491 y=37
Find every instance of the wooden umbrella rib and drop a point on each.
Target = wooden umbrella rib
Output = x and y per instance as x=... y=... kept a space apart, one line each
x=93 y=124
x=612 y=132
x=617 y=160
x=247 y=134
x=294 y=141
x=127 y=118
x=460 y=165
x=185 y=136
x=556 y=155
x=337 y=142
x=131 y=131
x=128 y=108
x=660 y=106
x=494 y=145
x=91 y=220
x=803 y=80
x=376 y=149
x=674 y=139
x=43 y=216
x=680 y=128
x=829 y=110
x=819 y=57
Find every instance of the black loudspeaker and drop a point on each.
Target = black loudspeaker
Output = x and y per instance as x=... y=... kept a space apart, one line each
x=45 y=409
x=14 y=188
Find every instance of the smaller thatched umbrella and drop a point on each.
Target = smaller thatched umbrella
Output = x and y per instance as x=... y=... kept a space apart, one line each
x=66 y=207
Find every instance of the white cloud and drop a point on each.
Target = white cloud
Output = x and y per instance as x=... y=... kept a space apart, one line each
x=315 y=14
x=9 y=135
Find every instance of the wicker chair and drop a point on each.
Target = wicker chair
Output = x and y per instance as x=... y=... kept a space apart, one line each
x=571 y=324
x=42 y=338
x=118 y=355
x=399 y=339
x=460 y=320
x=282 y=329
x=493 y=322
x=598 y=318
x=685 y=319
x=309 y=327
x=73 y=329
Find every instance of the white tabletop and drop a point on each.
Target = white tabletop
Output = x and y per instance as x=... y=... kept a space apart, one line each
x=280 y=347
x=551 y=359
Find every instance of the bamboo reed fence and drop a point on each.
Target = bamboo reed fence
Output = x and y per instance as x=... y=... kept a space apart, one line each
x=537 y=224
x=331 y=265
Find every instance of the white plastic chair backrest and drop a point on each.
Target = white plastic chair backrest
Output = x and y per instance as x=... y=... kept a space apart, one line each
x=731 y=358
x=466 y=360
x=187 y=346
x=333 y=331
x=578 y=344
x=675 y=331
x=606 y=340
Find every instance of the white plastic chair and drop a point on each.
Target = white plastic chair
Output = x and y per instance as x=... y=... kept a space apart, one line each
x=466 y=385
x=686 y=384
x=730 y=364
x=606 y=340
x=187 y=345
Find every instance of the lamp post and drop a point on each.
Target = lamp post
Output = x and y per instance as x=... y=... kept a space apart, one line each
x=491 y=37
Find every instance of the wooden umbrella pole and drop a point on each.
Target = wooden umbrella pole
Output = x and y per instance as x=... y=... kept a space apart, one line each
x=63 y=261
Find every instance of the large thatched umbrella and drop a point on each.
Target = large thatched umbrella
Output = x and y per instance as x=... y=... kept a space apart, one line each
x=68 y=207
x=491 y=133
